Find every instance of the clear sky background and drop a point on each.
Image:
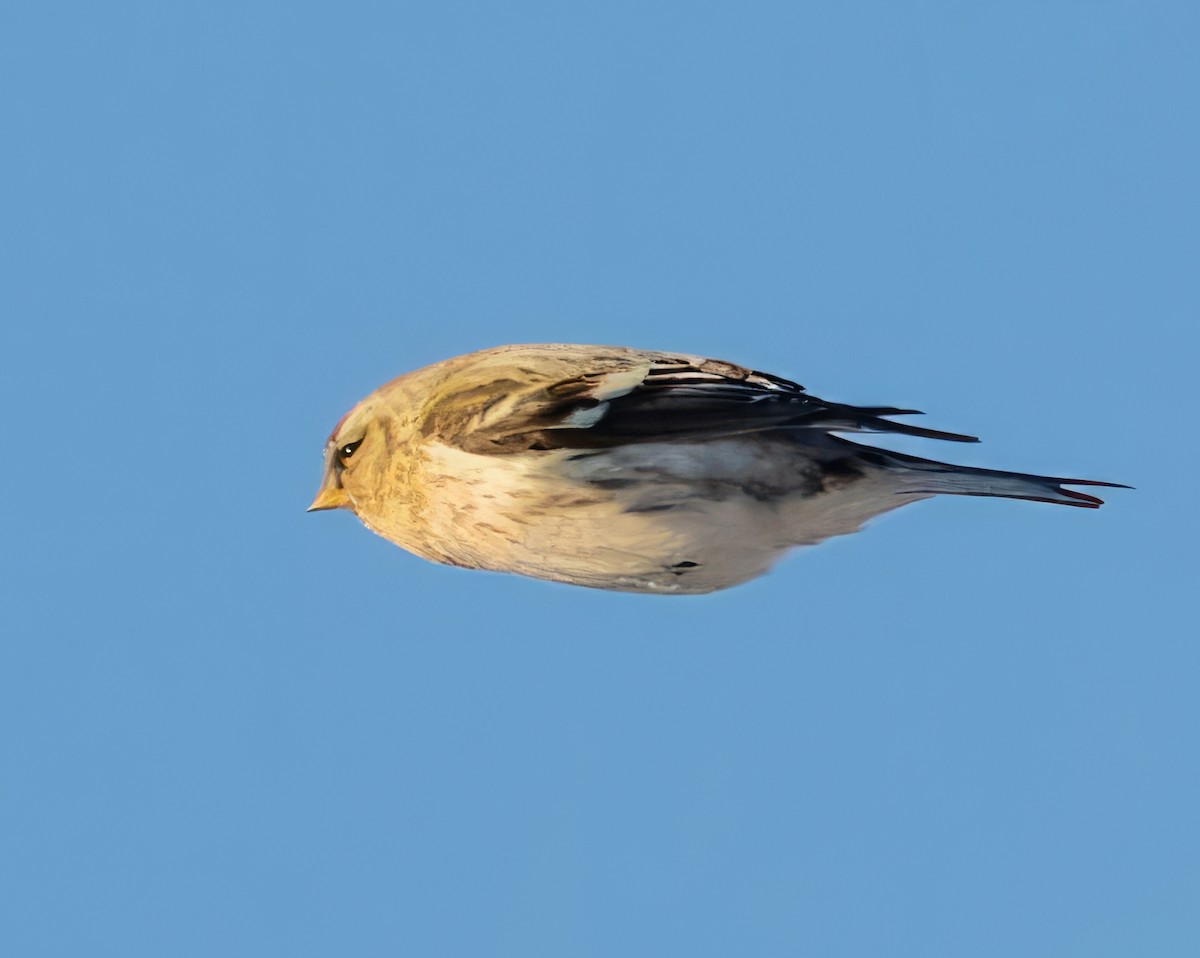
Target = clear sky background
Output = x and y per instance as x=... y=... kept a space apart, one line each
x=230 y=728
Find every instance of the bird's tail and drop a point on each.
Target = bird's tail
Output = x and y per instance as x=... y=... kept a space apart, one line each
x=915 y=475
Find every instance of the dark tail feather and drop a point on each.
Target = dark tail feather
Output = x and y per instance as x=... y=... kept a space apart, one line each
x=1020 y=485
x=917 y=475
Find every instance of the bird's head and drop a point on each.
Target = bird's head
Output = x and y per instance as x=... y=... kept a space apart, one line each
x=347 y=449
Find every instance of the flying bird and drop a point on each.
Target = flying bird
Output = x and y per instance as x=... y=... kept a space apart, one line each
x=626 y=469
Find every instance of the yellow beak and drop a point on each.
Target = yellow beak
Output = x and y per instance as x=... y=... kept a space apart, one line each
x=329 y=496
x=329 y=499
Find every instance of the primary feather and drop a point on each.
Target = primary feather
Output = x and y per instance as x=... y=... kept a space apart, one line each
x=627 y=469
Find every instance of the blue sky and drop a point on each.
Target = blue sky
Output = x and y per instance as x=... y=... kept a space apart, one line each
x=230 y=728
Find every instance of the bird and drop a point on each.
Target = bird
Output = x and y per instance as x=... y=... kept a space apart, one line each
x=629 y=470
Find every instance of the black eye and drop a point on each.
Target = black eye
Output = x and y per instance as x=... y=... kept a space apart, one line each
x=346 y=451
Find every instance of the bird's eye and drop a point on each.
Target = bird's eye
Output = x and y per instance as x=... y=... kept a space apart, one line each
x=346 y=451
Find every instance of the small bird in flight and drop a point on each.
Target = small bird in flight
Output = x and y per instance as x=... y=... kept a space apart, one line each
x=625 y=469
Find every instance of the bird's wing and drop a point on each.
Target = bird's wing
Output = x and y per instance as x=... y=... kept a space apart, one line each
x=637 y=398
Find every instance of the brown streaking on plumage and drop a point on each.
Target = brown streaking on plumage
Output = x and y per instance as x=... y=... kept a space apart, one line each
x=627 y=469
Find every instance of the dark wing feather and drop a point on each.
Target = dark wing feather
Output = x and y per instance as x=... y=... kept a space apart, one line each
x=687 y=399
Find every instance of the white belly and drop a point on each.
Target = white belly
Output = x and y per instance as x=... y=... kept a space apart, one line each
x=653 y=518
